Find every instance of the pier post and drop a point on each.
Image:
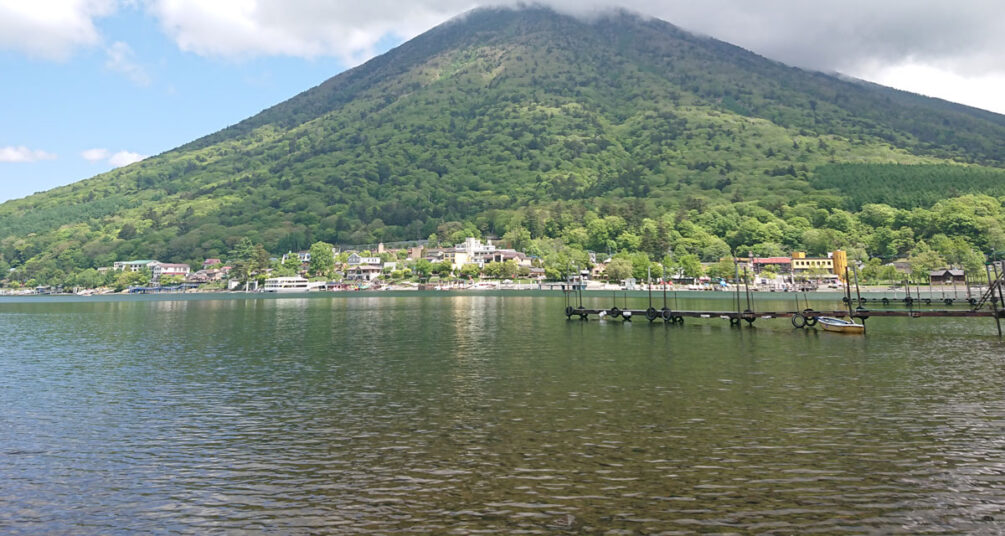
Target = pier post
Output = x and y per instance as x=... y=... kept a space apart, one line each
x=994 y=305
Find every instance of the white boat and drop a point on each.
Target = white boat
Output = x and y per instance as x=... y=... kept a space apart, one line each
x=838 y=325
x=286 y=284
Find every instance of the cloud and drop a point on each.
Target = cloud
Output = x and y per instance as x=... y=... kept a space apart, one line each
x=23 y=154
x=95 y=155
x=51 y=29
x=966 y=35
x=120 y=58
x=302 y=28
x=965 y=38
x=119 y=159
x=124 y=158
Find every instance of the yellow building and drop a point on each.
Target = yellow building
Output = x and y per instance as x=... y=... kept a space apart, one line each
x=803 y=264
x=457 y=259
x=835 y=264
x=840 y=259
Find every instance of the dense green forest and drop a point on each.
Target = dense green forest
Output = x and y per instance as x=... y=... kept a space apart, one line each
x=560 y=136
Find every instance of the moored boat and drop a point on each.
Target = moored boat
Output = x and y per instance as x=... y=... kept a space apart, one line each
x=838 y=325
x=287 y=284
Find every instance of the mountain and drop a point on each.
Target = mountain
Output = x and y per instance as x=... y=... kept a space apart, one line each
x=621 y=132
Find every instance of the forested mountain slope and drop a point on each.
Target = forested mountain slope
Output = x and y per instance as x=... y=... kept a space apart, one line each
x=621 y=133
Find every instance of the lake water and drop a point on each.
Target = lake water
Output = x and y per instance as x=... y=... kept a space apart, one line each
x=481 y=413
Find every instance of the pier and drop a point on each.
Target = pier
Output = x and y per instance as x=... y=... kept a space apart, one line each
x=988 y=305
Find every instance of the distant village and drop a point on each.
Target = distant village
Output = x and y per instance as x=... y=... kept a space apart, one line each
x=475 y=264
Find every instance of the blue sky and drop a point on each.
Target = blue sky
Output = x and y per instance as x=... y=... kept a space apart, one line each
x=89 y=85
x=154 y=98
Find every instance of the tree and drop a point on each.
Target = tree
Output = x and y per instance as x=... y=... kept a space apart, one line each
x=127 y=232
x=690 y=265
x=442 y=268
x=129 y=278
x=291 y=266
x=923 y=262
x=470 y=271
x=322 y=261
x=170 y=280
x=618 y=269
x=423 y=267
x=724 y=269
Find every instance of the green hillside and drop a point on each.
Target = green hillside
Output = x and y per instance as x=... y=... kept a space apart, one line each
x=619 y=134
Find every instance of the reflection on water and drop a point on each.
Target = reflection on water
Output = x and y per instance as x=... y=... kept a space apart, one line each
x=475 y=413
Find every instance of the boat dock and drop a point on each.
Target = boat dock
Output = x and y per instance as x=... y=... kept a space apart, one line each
x=988 y=305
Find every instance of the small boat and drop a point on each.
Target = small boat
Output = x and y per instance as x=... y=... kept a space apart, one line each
x=830 y=323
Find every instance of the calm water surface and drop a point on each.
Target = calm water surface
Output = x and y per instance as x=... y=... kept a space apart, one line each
x=463 y=414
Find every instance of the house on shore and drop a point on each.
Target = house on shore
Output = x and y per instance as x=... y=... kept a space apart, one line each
x=947 y=276
x=164 y=269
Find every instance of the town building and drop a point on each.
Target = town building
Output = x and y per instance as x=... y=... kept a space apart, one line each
x=304 y=256
x=356 y=259
x=162 y=269
x=947 y=276
x=779 y=265
x=363 y=272
x=133 y=266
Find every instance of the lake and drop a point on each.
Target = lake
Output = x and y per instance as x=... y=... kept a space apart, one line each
x=472 y=413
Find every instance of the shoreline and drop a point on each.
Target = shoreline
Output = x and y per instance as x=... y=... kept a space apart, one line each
x=871 y=292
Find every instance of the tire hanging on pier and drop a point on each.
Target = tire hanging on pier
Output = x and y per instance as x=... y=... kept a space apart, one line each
x=798 y=321
x=652 y=314
x=614 y=312
x=568 y=311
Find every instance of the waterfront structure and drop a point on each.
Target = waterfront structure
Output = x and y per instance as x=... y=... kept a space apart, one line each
x=947 y=276
x=819 y=264
x=133 y=266
x=780 y=265
x=163 y=269
x=364 y=272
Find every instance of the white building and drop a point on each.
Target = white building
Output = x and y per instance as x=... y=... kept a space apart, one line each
x=473 y=251
x=357 y=259
x=134 y=266
x=163 y=269
x=363 y=272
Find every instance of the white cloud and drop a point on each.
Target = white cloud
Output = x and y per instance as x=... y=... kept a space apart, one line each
x=120 y=58
x=982 y=91
x=95 y=155
x=23 y=154
x=124 y=158
x=119 y=159
x=51 y=29
x=826 y=34
x=302 y=28
x=965 y=38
